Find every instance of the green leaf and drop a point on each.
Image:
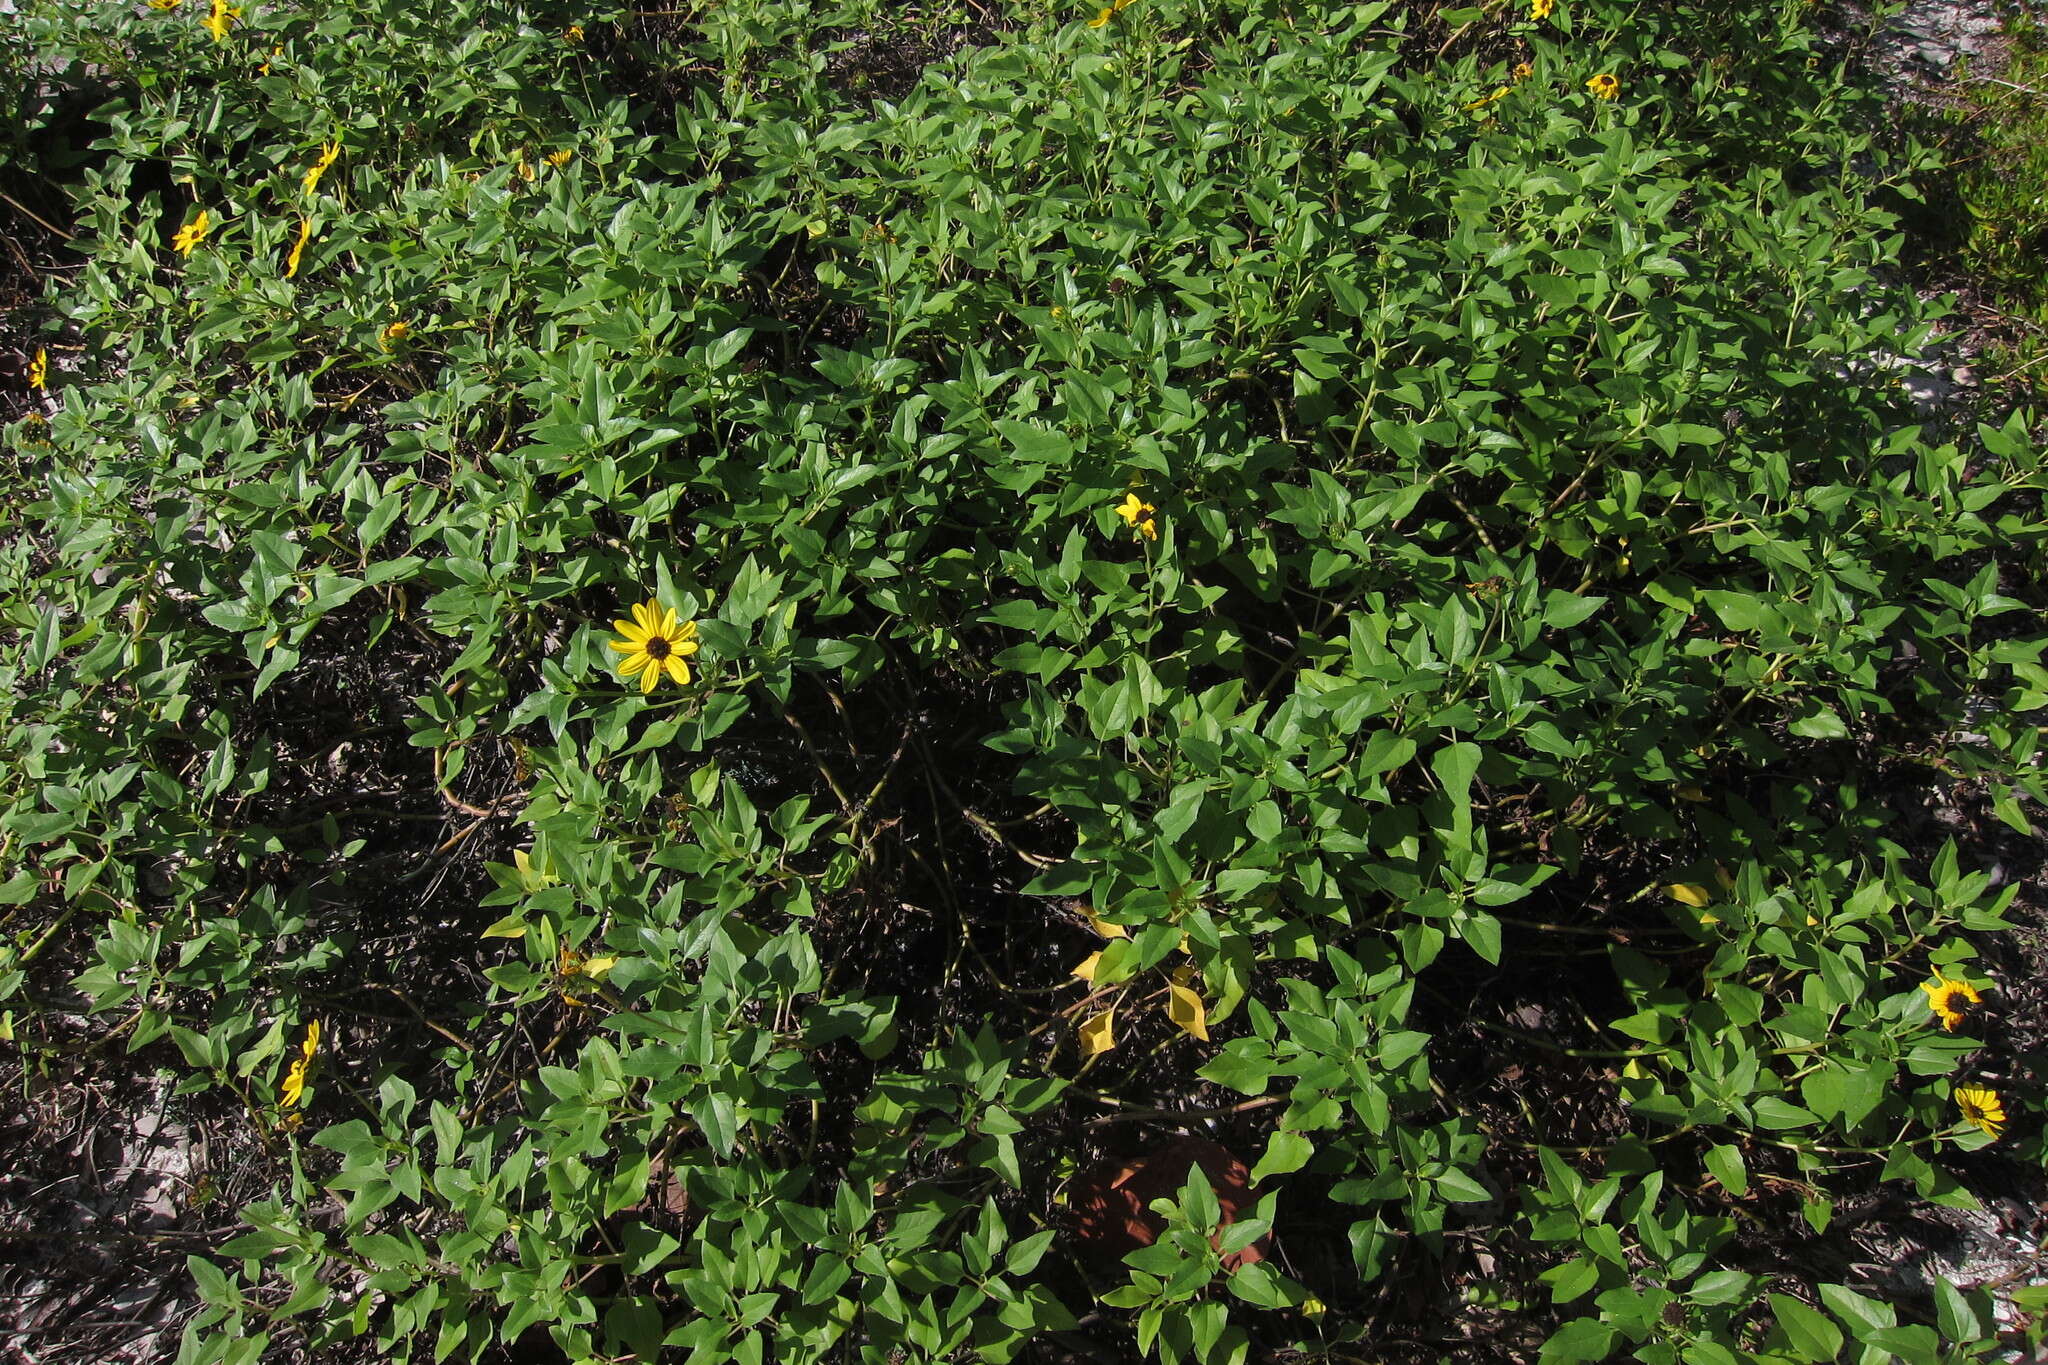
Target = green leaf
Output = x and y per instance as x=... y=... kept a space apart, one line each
x=1580 y=1340
x=1285 y=1153
x=1810 y=1332
x=1725 y=1164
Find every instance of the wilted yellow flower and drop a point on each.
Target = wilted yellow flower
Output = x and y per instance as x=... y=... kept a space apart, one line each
x=1137 y=515
x=1484 y=100
x=561 y=158
x=573 y=34
x=329 y=152
x=291 y=262
x=217 y=22
x=1522 y=72
x=1949 y=999
x=525 y=170
x=392 y=335
x=192 y=234
x=1100 y=19
x=39 y=371
x=655 y=642
x=1981 y=1107
x=1604 y=86
x=1540 y=9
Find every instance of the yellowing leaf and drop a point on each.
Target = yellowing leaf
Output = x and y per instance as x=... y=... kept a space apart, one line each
x=1086 y=970
x=1185 y=1008
x=1688 y=893
x=597 y=966
x=1098 y=1035
x=509 y=927
x=1104 y=927
x=1689 y=792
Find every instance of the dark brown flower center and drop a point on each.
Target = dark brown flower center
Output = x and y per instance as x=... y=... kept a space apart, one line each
x=657 y=647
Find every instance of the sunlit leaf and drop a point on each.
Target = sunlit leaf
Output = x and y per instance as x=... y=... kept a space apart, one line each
x=1098 y=1035
x=1184 y=1007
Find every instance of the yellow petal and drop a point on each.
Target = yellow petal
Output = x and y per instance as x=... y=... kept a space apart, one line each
x=684 y=648
x=678 y=670
x=312 y=1042
x=649 y=676
x=1099 y=20
x=644 y=615
x=1098 y=1035
x=686 y=631
x=1688 y=893
x=636 y=661
x=630 y=630
x=1086 y=969
x=1185 y=1008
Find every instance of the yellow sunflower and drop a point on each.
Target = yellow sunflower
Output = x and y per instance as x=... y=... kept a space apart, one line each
x=1604 y=86
x=655 y=643
x=291 y=262
x=1137 y=515
x=1981 y=1107
x=192 y=234
x=218 y=21
x=1949 y=999
x=294 y=1088
x=330 y=152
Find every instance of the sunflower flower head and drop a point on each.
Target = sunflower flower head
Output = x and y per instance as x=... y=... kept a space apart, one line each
x=392 y=335
x=39 y=371
x=1950 y=1000
x=1137 y=514
x=192 y=234
x=293 y=1088
x=330 y=152
x=655 y=642
x=1981 y=1107
x=222 y=16
x=291 y=262
x=1604 y=86
x=1539 y=10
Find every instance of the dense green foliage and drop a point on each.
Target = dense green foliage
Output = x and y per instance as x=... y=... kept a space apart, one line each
x=1543 y=558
